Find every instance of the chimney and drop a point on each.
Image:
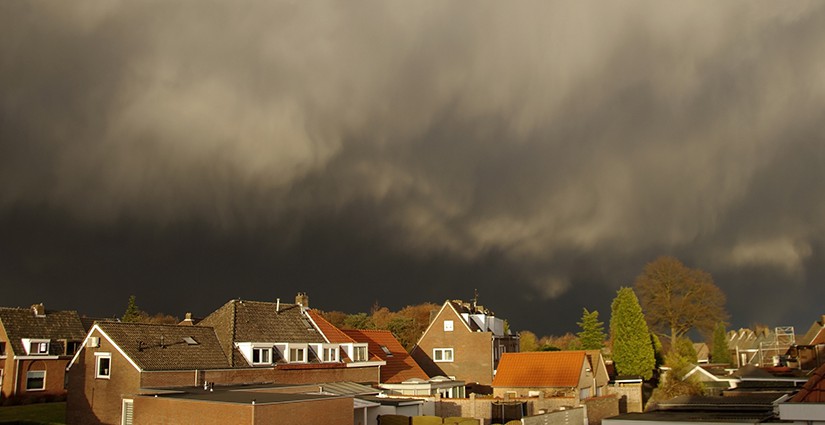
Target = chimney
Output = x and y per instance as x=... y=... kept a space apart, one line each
x=302 y=299
x=188 y=319
x=39 y=310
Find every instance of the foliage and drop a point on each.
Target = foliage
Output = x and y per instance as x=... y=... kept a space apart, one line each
x=568 y=341
x=677 y=299
x=358 y=321
x=674 y=382
x=685 y=350
x=133 y=313
x=658 y=350
x=528 y=341
x=719 y=345
x=632 y=349
x=592 y=335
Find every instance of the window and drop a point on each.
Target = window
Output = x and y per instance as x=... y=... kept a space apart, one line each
x=443 y=354
x=448 y=326
x=261 y=355
x=38 y=348
x=72 y=347
x=297 y=354
x=35 y=380
x=386 y=350
x=103 y=365
x=2 y=348
x=359 y=353
x=128 y=412
x=330 y=354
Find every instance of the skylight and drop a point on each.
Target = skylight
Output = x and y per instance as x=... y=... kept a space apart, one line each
x=189 y=340
x=386 y=350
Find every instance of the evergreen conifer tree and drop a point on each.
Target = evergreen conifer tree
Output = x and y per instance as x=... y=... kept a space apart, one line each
x=132 y=313
x=592 y=335
x=632 y=348
x=719 y=350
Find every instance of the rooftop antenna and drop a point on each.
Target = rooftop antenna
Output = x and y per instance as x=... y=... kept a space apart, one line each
x=475 y=298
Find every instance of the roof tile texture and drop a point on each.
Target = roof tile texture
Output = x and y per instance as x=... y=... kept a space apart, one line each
x=400 y=366
x=22 y=323
x=540 y=369
x=162 y=347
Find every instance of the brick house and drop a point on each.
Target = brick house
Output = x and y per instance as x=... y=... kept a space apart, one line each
x=464 y=341
x=565 y=374
x=251 y=343
x=35 y=346
x=809 y=350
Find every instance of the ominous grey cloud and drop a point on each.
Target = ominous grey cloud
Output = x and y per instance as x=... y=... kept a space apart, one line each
x=543 y=152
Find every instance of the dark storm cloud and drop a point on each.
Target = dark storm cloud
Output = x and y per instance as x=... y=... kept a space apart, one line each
x=549 y=147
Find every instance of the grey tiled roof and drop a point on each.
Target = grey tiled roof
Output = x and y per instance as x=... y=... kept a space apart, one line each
x=162 y=347
x=22 y=323
x=259 y=321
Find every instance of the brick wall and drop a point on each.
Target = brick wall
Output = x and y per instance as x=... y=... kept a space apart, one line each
x=599 y=408
x=481 y=407
x=630 y=397
x=98 y=401
x=473 y=356
x=164 y=410
x=547 y=392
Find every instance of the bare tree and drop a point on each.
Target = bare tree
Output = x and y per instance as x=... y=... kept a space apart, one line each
x=676 y=298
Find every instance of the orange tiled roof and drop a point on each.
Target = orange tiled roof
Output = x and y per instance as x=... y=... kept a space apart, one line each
x=400 y=366
x=814 y=390
x=540 y=369
x=333 y=334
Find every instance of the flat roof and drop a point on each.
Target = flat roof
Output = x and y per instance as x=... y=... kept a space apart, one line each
x=246 y=397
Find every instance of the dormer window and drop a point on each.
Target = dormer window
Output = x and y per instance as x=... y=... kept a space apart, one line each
x=36 y=347
x=261 y=355
x=298 y=355
x=326 y=353
x=357 y=352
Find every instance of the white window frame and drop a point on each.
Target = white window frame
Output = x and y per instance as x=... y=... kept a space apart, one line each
x=326 y=353
x=28 y=376
x=443 y=355
x=297 y=354
x=41 y=344
x=98 y=358
x=263 y=352
x=127 y=412
x=353 y=349
x=449 y=325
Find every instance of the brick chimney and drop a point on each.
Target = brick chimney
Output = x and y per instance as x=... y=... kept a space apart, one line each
x=302 y=299
x=39 y=310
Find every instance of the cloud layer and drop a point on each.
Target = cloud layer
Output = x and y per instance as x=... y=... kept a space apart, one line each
x=553 y=146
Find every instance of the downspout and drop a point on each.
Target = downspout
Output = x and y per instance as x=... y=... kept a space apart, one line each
x=16 y=374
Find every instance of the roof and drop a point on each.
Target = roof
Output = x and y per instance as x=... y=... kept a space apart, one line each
x=400 y=365
x=332 y=333
x=163 y=347
x=247 y=397
x=540 y=369
x=22 y=323
x=814 y=390
x=259 y=321
x=814 y=335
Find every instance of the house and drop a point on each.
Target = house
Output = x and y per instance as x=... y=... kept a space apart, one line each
x=264 y=334
x=464 y=341
x=35 y=346
x=714 y=379
x=809 y=350
x=566 y=374
x=251 y=343
x=765 y=347
x=808 y=405
x=383 y=345
x=702 y=352
x=601 y=374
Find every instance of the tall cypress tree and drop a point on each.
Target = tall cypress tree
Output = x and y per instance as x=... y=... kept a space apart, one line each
x=592 y=335
x=632 y=348
x=719 y=350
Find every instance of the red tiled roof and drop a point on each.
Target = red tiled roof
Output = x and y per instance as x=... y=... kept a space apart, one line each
x=400 y=365
x=333 y=334
x=814 y=390
x=540 y=369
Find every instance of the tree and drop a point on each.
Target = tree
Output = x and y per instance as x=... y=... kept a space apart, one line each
x=675 y=382
x=358 y=321
x=528 y=341
x=592 y=335
x=133 y=313
x=719 y=346
x=632 y=350
x=676 y=298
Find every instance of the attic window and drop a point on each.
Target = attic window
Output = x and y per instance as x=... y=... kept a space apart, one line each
x=386 y=350
x=189 y=340
x=36 y=347
x=2 y=348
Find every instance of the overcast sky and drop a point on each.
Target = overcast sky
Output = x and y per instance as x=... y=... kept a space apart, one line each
x=193 y=151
